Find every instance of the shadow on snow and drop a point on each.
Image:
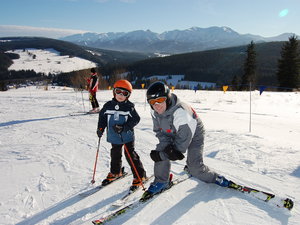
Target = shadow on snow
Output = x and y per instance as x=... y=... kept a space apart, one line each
x=14 y=122
x=35 y=219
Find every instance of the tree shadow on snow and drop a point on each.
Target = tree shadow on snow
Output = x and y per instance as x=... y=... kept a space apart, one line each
x=296 y=172
x=14 y=122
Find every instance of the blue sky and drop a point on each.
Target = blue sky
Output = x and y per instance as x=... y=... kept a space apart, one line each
x=261 y=17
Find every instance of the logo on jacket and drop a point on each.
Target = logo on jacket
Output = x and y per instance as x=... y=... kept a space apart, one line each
x=117 y=107
x=116 y=116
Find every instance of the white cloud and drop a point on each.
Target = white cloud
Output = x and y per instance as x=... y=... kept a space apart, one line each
x=14 y=30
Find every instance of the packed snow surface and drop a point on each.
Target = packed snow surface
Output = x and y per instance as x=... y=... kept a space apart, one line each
x=47 y=157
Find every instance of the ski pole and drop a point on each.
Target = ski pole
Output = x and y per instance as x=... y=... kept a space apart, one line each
x=95 y=165
x=131 y=161
x=81 y=88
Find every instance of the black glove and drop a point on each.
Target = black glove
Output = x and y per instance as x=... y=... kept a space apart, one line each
x=118 y=128
x=100 y=132
x=155 y=156
x=172 y=153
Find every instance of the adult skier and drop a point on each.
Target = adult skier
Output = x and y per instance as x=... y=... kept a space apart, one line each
x=93 y=88
x=179 y=130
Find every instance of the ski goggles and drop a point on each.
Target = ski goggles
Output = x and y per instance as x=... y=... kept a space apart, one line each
x=158 y=100
x=119 y=91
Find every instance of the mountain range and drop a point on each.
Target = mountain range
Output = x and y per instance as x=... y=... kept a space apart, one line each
x=170 y=42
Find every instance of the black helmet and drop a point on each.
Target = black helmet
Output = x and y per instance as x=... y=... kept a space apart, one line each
x=159 y=89
x=93 y=70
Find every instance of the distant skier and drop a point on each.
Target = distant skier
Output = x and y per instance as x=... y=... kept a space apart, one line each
x=120 y=117
x=178 y=129
x=93 y=88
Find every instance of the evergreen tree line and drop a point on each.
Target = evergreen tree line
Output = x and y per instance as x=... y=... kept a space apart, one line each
x=288 y=71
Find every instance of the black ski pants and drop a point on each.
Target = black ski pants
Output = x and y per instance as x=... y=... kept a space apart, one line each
x=116 y=159
x=93 y=100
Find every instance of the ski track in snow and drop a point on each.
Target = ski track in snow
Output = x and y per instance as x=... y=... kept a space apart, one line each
x=47 y=158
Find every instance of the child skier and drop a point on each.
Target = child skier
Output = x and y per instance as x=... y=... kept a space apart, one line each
x=119 y=117
x=93 y=88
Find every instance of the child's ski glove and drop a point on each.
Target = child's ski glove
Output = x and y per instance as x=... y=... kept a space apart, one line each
x=100 y=132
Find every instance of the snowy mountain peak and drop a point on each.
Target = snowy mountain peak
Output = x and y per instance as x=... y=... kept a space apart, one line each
x=174 y=41
x=227 y=29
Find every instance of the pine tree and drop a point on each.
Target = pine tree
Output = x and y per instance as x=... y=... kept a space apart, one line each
x=235 y=83
x=288 y=73
x=249 y=67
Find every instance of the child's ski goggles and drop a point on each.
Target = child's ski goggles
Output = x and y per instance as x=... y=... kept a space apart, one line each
x=119 y=91
x=158 y=100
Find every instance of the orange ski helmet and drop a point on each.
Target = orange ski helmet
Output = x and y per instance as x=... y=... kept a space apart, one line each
x=125 y=84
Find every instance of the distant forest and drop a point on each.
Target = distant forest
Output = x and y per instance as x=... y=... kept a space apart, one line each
x=219 y=66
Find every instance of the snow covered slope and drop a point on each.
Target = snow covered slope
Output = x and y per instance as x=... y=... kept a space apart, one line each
x=48 y=61
x=47 y=158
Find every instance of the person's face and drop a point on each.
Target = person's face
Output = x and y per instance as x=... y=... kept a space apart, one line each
x=160 y=108
x=120 y=98
x=121 y=95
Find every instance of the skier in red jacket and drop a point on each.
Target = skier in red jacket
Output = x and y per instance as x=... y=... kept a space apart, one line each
x=93 y=88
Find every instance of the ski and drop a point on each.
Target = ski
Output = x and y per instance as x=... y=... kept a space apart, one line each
x=141 y=201
x=261 y=195
x=98 y=188
x=79 y=114
x=122 y=201
x=264 y=196
x=82 y=113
